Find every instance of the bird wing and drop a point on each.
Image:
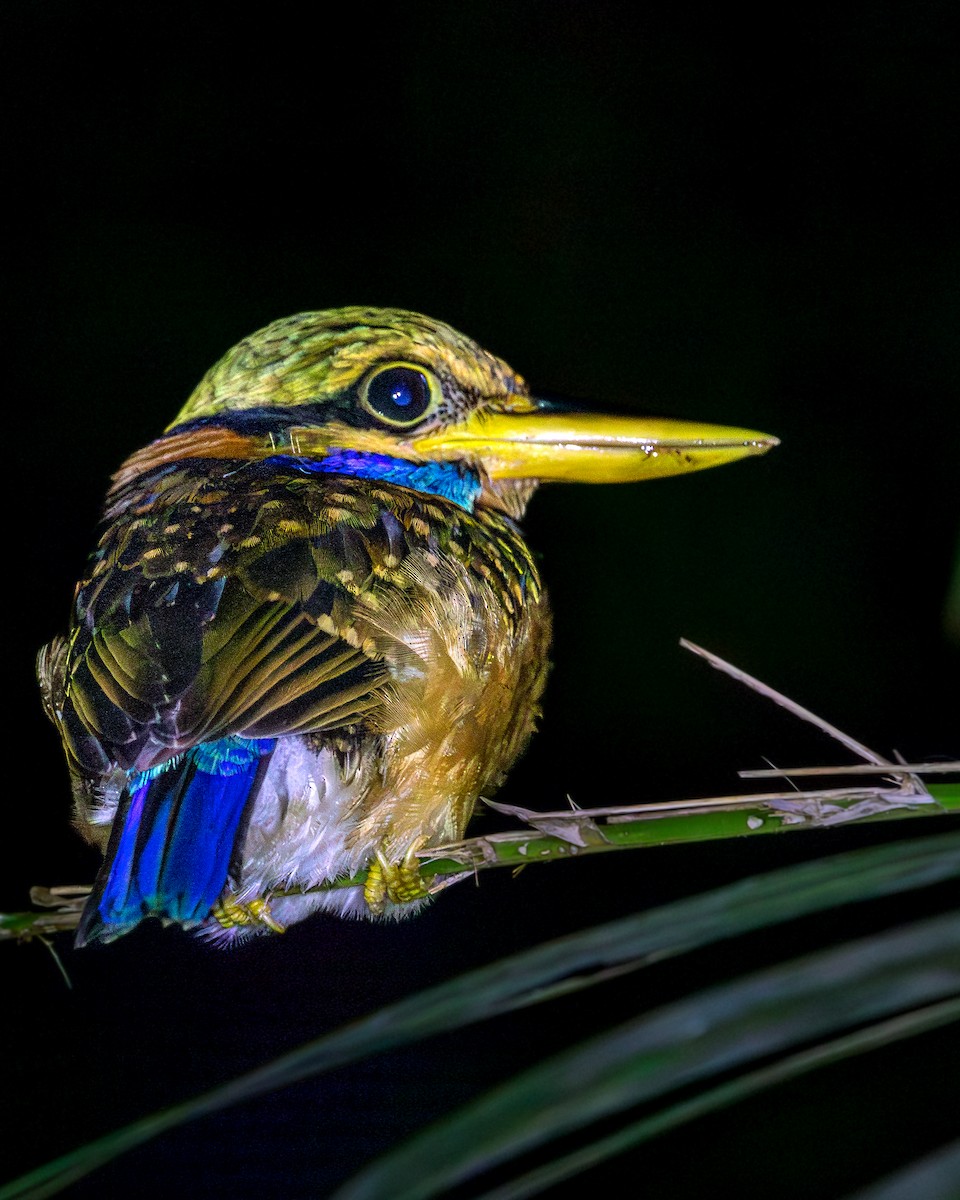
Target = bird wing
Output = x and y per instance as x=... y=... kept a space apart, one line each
x=221 y=604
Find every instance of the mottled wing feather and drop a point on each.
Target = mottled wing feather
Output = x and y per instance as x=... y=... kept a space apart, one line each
x=232 y=614
x=231 y=598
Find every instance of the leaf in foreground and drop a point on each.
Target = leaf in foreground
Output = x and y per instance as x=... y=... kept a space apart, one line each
x=698 y=1038
x=553 y=969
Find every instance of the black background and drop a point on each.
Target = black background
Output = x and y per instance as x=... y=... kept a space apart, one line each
x=749 y=220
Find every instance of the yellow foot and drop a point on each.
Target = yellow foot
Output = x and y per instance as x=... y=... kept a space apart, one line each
x=231 y=912
x=399 y=882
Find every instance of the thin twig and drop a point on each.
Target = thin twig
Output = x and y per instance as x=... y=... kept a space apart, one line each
x=934 y=768
x=798 y=710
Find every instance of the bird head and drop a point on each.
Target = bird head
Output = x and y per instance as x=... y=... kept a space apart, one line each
x=394 y=395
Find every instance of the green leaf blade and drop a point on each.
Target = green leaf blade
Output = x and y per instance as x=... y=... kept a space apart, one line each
x=697 y=1038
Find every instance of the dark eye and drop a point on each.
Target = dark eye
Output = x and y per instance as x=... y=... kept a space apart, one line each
x=399 y=394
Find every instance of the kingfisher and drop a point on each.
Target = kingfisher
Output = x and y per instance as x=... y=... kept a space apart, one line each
x=311 y=635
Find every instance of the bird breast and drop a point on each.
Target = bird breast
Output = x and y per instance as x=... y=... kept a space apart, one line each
x=465 y=679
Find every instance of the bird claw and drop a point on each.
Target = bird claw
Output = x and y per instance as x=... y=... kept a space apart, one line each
x=230 y=913
x=400 y=883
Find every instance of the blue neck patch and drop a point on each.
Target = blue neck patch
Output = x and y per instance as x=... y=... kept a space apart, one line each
x=454 y=481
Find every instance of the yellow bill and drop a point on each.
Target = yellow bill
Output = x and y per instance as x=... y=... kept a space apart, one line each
x=548 y=443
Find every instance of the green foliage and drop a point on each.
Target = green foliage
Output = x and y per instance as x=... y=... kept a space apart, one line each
x=718 y=1044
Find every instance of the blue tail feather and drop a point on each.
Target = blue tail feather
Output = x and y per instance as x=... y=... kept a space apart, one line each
x=171 y=855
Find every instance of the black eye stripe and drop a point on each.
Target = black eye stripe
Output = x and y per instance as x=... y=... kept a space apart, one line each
x=398 y=395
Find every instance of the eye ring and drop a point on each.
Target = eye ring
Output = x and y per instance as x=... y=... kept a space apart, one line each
x=400 y=394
